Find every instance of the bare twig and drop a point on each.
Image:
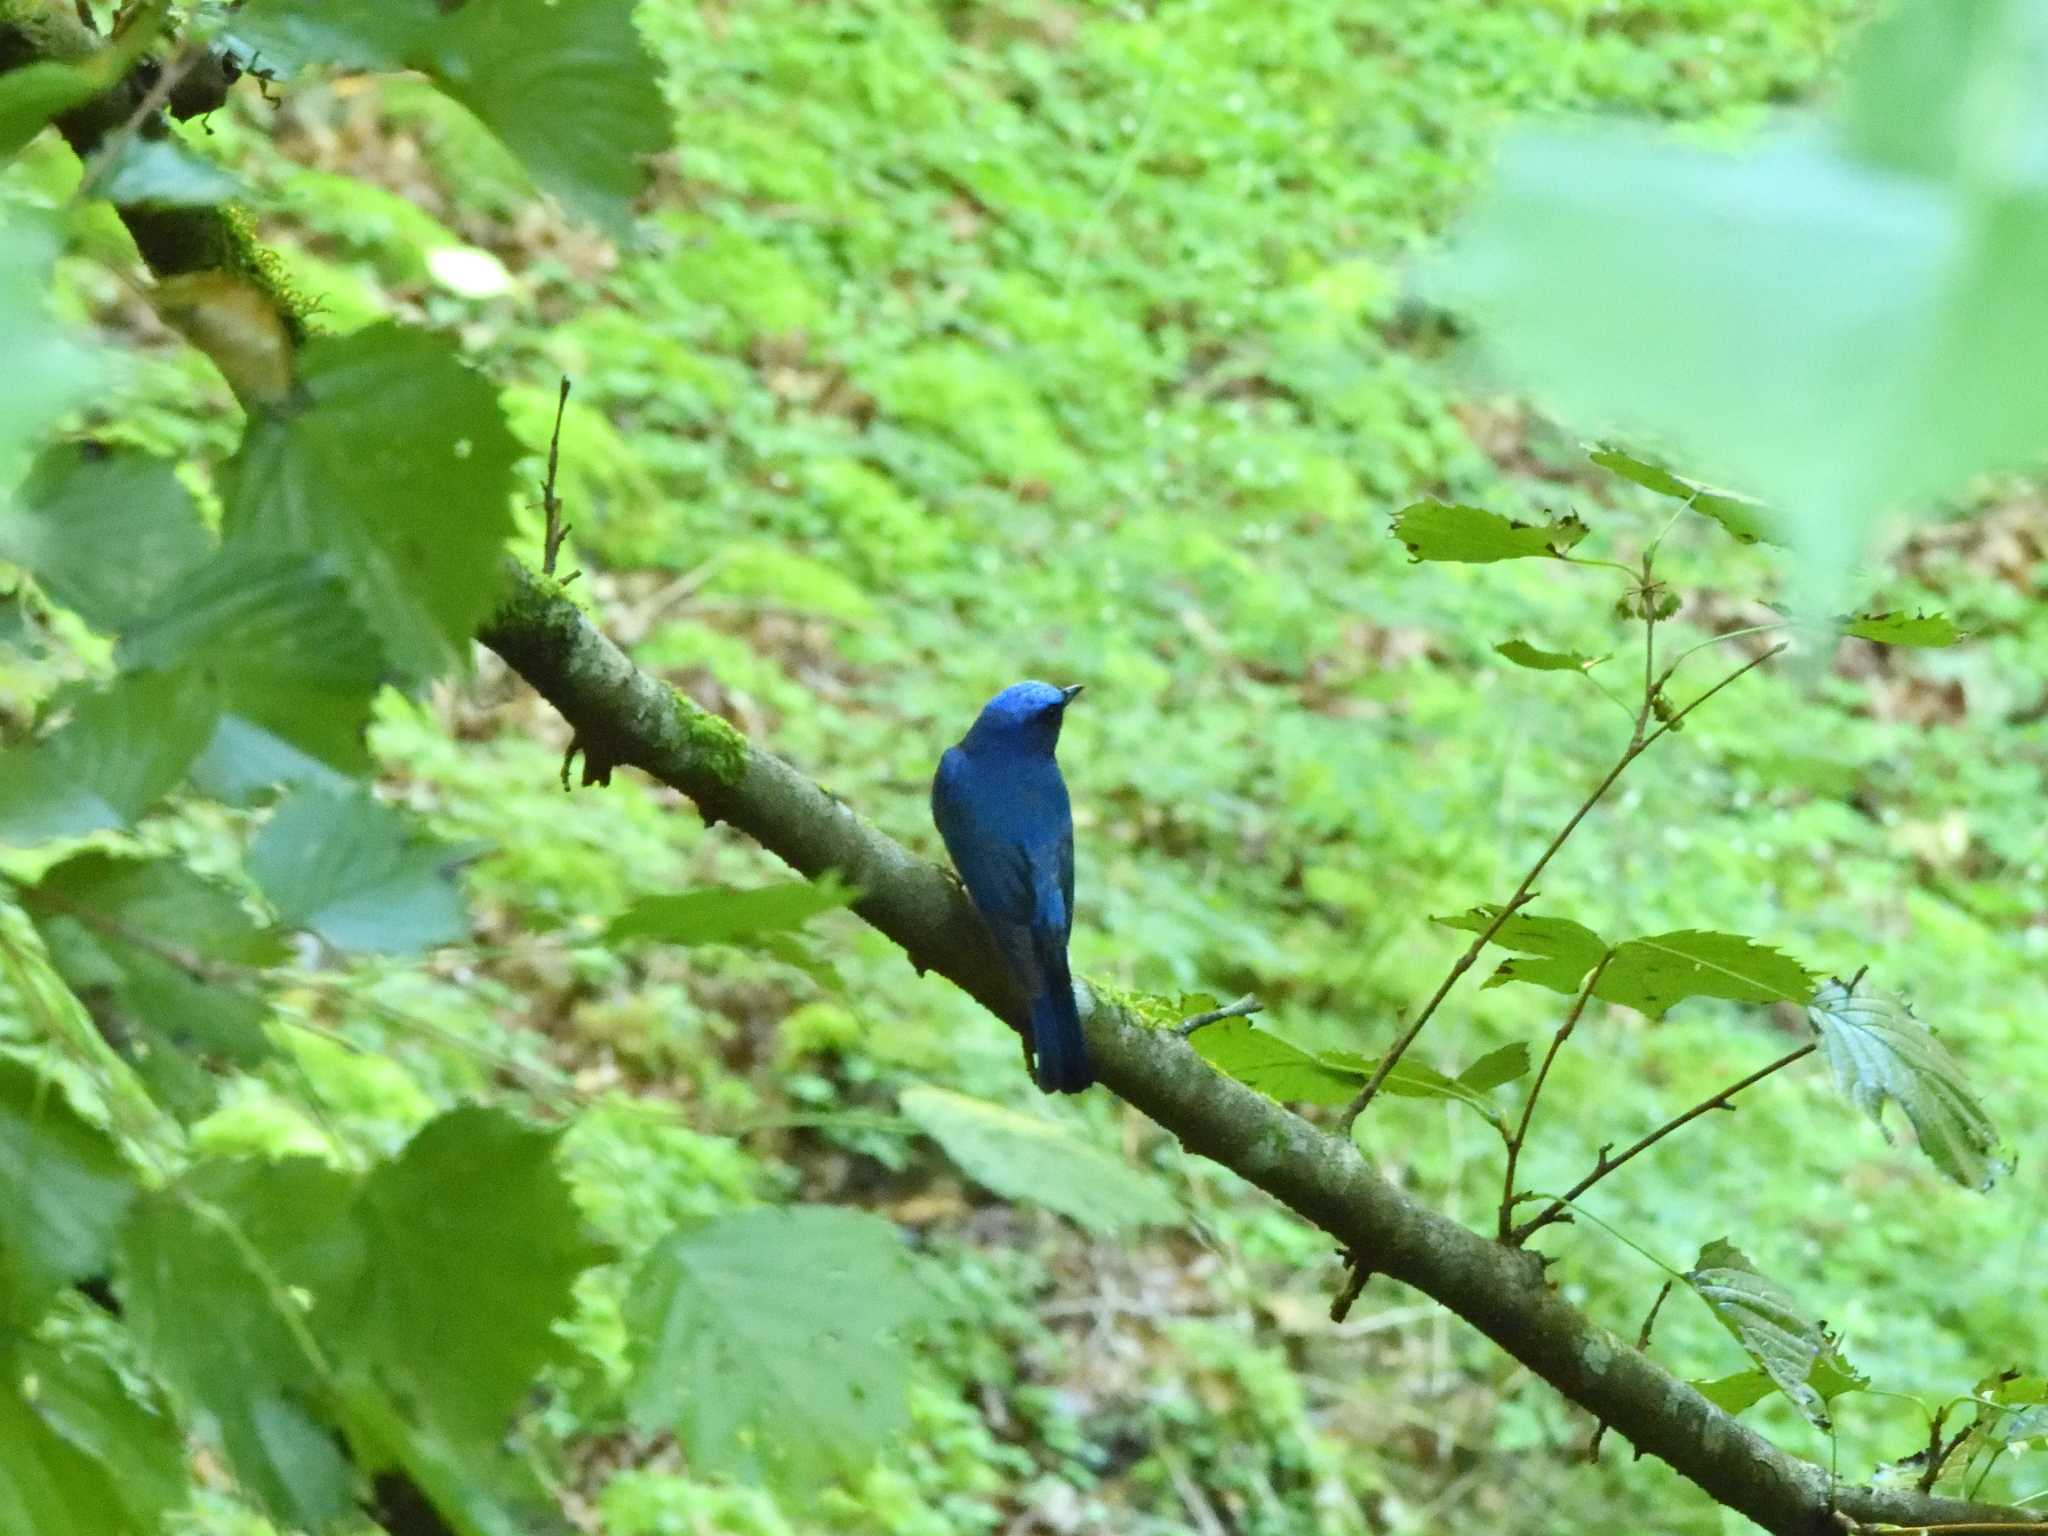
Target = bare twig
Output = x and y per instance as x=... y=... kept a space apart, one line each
x=1642 y=1342
x=1606 y=1165
x=1564 y=1033
x=1248 y=1004
x=550 y=503
x=1354 y=1283
x=1639 y=743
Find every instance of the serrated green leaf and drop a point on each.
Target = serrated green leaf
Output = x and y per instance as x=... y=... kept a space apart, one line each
x=1413 y=1080
x=79 y=502
x=1877 y=1051
x=569 y=89
x=116 y=1461
x=1553 y=952
x=1766 y=1321
x=163 y=958
x=471 y=1247
x=1496 y=1067
x=1832 y=1377
x=223 y=1335
x=1652 y=975
x=770 y=1342
x=1917 y=629
x=122 y=750
x=726 y=915
x=1523 y=654
x=1037 y=1161
x=1435 y=530
x=1262 y=1060
x=289 y=655
x=356 y=872
x=1747 y=521
x=397 y=468
x=63 y=1190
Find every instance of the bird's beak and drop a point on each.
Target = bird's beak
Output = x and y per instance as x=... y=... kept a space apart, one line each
x=1069 y=694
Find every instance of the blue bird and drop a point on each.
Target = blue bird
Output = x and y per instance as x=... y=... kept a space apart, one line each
x=1001 y=807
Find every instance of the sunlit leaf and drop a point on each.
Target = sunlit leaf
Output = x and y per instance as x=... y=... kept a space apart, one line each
x=1746 y=520
x=1434 y=530
x=358 y=873
x=1651 y=975
x=1832 y=1376
x=63 y=1189
x=1878 y=1051
x=1523 y=654
x=770 y=1342
x=1553 y=952
x=1260 y=1059
x=1916 y=629
x=396 y=466
x=1766 y=1321
x=1038 y=1161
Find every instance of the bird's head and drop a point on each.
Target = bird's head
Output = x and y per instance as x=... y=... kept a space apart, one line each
x=1024 y=717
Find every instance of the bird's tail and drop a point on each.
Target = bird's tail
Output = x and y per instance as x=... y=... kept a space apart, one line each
x=1056 y=1042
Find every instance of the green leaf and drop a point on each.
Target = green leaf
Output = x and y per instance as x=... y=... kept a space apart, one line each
x=1035 y=1160
x=1433 y=530
x=1746 y=520
x=1766 y=1321
x=50 y=366
x=1523 y=654
x=1496 y=1067
x=1556 y=952
x=770 y=1342
x=81 y=1453
x=1651 y=975
x=1414 y=1080
x=32 y=95
x=1918 y=629
x=471 y=1247
x=1832 y=1376
x=162 y=173
x=1262 y=1060
x=63 y=1190
x=351 y=869
x=124 y=748
x=229 y=1338
x=81 y=501
x=1878 y=1051
x=569 y=89
x=725 y=915
x=290 y=657
x=164 y=960
x=1843 y=322
x=397 y=468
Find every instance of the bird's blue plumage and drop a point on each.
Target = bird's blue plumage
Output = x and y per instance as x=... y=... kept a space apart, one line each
x=1001 y=807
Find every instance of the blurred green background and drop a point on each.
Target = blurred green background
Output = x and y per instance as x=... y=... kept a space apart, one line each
x=962 y=342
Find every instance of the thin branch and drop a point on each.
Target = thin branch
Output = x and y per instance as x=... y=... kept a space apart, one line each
x=1606 y=1165
x=551 y=504
x=1564 y=1033
x=1748 y=666
x=1642 y=1342
x=1244 y=1006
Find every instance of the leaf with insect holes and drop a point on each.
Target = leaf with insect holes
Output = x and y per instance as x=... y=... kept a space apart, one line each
x=1652 y=975
x=1523 y=654
x=1034 y=1160
x=1552 y=952
x=1747 y=521
x=1877 y=1050
x=1766 y=1322
x=1435 y=530
x=1930 y=630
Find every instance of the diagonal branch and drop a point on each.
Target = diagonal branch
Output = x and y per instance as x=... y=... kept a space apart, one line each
x=636 y=719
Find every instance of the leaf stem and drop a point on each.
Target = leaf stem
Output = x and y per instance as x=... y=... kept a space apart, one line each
x=1606 y=1165
x=1521 y=1134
